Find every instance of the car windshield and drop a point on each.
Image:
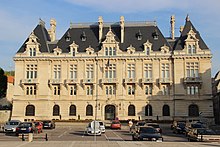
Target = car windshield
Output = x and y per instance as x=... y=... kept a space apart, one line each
x=153 y=125
x=115 y=122
x=101 y=123
x=140 y=123
x=13 y=123
x=181 y=124
x=148 y=130
x=25 y=125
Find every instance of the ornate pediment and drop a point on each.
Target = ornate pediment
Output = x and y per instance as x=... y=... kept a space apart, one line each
x=90 y=50
x=191 y=36
x=73 y=45
x=57 y=50
x=32 y=39
x=165 y=49
x=110 y=37
x=130 y=49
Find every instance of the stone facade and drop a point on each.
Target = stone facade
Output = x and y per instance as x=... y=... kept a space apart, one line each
x=107 y=70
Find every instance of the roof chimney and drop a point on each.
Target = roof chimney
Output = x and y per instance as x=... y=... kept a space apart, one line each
x=52 y=31
x=122 y=24
x=100 y=21
x=172 y=23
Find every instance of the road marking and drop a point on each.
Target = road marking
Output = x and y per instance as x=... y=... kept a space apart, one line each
x=106 y=137
x=118 y=136
x=62 y=134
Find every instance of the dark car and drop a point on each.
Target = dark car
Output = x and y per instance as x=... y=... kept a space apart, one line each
x=156 y=126
x=48 y=124
x=138 y=124
x=26 y=127
x=147 y=133
x=179 y=128
x=193 y=126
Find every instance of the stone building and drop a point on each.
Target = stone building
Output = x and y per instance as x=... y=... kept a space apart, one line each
x=121 y=69
x=216 y=97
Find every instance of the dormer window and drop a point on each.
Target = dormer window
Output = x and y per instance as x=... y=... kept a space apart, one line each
x=139 y=35
x=147 y=51
x=57 y=51
x=147 y=47
x=110 y=51
x=32 y=52
x=191 y=49
x=83 y=36
x=155 y=35
x=67 y=37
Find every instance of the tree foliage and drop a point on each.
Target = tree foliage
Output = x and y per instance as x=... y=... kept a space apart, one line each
x=3 y=83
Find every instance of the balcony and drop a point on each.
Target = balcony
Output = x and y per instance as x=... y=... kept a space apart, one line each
x=130 y=80
x=29 y=81
x=147 y=81
x=88 y=81
x=192 y=80
x=109 y=81
x=71 y=81
x=165 y=81
x=55 y=81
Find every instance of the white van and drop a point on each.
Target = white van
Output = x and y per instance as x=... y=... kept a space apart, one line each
x=93 y=128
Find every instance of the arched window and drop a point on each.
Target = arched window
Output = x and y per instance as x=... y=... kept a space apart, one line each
x=30 y=110
x=131 y=110
x=148 y=110
x=56 y=110
x=193 y=110
x=166 y=110
x=89 y=110
x=72 y=110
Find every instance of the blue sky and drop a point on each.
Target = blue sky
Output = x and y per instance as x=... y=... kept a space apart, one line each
x=20 y=17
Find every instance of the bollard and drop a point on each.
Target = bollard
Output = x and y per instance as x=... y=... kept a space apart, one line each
x=22 y=137
x=46 y=138
x=30 y=137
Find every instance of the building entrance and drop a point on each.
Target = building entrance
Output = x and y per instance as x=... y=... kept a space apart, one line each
x=109 y=112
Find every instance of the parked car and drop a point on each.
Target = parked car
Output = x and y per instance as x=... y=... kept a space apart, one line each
x=93 y=128
x=156 y=126
x=202 y=134
x=48 y=124
x=179 y=127
x=39 y=126
x=193 y=125
x=102 y=126
x=138 y=124
x=26 y=127
x=147 y=133
x=10 y=126
x=115 y=124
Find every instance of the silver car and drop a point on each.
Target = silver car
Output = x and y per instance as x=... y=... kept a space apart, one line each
x=93 y=128
x=102 y=126
x=10 y=126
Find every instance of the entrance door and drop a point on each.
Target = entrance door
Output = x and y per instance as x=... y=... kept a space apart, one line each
x=109 y=112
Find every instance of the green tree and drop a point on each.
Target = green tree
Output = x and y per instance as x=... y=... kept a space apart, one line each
x=3 y=83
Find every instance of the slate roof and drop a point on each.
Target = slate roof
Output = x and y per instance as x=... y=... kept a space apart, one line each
x=91 y=32
x=179 y=45
x=41 y=32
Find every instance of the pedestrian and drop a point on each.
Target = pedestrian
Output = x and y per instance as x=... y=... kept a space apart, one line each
x=130 y=124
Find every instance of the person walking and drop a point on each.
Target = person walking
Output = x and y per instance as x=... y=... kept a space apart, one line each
x=130 y=124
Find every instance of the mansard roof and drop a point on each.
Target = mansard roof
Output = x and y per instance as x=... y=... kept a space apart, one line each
x=180 y=42
x=41 y=32
x=130 y=37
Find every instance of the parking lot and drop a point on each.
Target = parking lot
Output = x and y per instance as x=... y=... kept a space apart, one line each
x=66 y=131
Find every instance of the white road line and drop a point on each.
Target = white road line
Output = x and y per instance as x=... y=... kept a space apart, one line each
x=118 y=136
x=62 y=134
x=106 y=137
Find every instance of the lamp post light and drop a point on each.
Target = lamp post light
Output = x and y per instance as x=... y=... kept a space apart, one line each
x=96 y=98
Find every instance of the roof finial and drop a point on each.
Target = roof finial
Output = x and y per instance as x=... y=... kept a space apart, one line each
x=187 y=17
x=41 y=22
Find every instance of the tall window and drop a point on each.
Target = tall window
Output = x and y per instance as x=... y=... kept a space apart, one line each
x=32 y=52
x=148 y=90
x=165 y=90
x=147 y=51
x=31 y=90
x=192 y=90
x=131 y=89
x=148 y=71
x=31 y=71
x=57 y=71
x=110 y=89
x=89 y=90
x=192 y=69
x=148 y=110
x=73 y=71
x=110 y=71
x=109 y=51
x=131 y=70
x=89 y=71
x=89 y=110
x=56 y=90
x=191 y=49
x=56 y=110
x=30 y=110
x=165 y=70
x=72 y=110
x=166 y=110
x=193 y=110
x=73 y=90
x=131 y=110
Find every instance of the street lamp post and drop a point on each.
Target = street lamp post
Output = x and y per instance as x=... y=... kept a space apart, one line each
x=96 y=98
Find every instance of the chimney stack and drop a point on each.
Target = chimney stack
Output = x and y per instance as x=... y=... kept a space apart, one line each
x=100 y=21
x=122 y=24
x=172 y=22
x=52 y=31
